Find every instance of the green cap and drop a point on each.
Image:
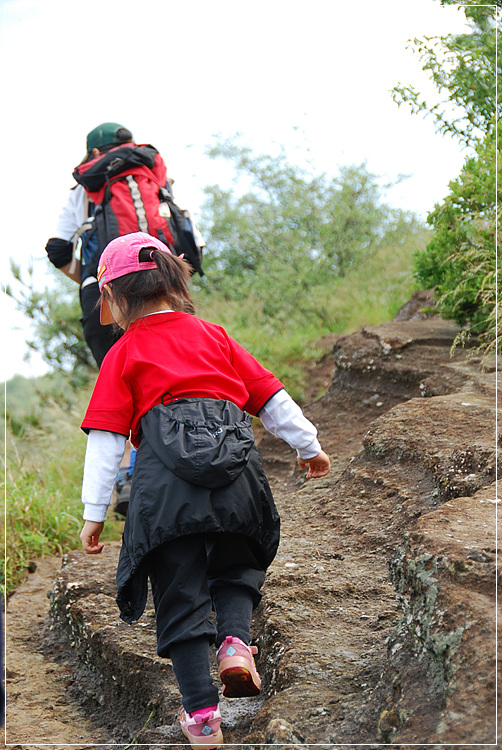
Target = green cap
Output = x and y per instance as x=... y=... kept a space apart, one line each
x=106 y=133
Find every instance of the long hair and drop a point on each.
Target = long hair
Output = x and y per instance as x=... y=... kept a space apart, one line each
x=135 y=292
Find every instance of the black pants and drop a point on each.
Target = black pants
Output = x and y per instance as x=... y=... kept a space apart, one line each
x=99 y=338
x=190 y=577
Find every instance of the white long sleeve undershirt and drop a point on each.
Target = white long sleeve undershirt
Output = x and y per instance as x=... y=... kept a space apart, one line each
x=281 y=416
x=103 y=455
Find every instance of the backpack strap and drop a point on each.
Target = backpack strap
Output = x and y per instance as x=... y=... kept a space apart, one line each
x=183 y=231
x=88 y=224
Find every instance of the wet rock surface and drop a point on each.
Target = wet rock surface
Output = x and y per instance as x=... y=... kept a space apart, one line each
x=377 y=623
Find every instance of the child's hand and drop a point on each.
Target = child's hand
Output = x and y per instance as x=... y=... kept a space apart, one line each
x=318 y=466
x=90 y=537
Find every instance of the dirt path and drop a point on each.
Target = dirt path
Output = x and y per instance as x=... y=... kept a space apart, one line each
x=38 y=705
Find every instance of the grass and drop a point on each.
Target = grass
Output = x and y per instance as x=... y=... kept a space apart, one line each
x=44 y=447
x=43 y=477
x=368 y=295
x=375 y=291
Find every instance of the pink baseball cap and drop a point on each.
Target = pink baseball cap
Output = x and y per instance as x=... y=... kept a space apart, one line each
x=121 y=257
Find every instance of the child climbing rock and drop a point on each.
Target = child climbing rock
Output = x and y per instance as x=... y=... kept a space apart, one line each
x=202 y=524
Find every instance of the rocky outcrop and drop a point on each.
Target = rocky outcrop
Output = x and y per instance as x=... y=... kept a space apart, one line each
x=446 y=575
x=116 y=667
x=377 y=623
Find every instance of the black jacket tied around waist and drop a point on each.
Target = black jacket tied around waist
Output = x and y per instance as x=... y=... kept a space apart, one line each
x=197 y=470
x=203 y=441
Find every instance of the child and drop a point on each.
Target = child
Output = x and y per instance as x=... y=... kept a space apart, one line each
x=202 y=523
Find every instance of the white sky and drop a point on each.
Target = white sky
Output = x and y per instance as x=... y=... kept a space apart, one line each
x=312 y=75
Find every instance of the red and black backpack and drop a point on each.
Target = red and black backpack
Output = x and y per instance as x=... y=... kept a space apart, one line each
x=129 y=189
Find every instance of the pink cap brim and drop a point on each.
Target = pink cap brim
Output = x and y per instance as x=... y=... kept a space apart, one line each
x=105 y=314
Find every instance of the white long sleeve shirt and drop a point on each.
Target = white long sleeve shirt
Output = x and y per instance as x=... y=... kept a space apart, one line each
x=72 y=214
x=281 y=416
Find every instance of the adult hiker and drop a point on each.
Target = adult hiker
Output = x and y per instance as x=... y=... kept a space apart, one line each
x=121 y=187
x=202 y=523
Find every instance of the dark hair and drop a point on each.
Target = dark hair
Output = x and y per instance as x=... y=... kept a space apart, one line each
x=134 y=292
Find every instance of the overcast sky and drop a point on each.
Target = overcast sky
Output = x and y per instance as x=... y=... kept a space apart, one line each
x=313 y=76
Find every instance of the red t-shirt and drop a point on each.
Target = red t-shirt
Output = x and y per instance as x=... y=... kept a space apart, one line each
x=176 y=353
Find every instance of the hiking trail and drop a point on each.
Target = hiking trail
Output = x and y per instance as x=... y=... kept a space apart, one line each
x=377 y=623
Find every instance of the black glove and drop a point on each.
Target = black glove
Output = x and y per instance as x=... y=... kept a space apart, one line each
x=60 y=252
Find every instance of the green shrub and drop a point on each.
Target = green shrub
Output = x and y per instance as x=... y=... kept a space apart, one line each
x=460 y=261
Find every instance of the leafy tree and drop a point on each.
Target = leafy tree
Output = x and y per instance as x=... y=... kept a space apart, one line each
x=464 y=69
x=460 y=262
x=55 y=314
x=286 y=232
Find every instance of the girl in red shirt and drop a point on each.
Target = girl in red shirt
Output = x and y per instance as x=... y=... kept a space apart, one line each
x=202 y=525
